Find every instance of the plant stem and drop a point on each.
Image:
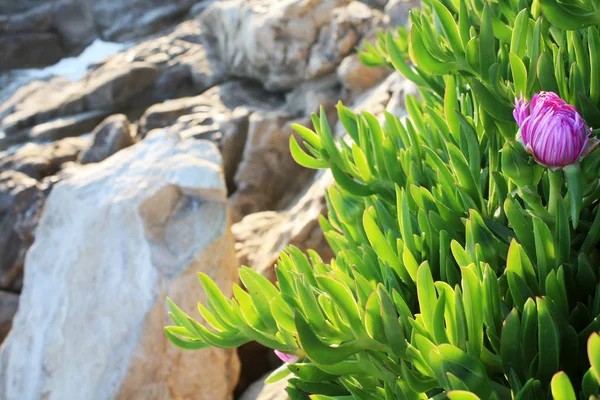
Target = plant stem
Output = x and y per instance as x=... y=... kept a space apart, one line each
x=556 y=180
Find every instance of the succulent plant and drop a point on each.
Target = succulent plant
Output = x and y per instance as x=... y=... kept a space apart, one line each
x=464 y=269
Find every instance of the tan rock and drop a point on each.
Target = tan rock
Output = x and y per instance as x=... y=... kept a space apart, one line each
x=268 y=177
x=115 y=239
x=357 y=77
x=262 y=236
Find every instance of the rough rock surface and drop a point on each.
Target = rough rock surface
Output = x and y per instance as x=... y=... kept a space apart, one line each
x=41 y=34
x=283 y=43
x=397 y=11
x=99 y=93
x=357 y=77
x=112 y=135
x=221 y=114
x=41 y=160
x=9 y=303
x=259 y=390
x=261 y=236
x=181 y=59
x=113 y=241
x=131 y=19
x=21 y=203
x=267 y=175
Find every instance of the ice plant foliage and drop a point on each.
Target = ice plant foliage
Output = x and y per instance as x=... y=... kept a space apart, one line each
x=464 y=268
x=551 y=129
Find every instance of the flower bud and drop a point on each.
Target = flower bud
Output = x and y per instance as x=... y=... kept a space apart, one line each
x=552 y=130
x=286 y=358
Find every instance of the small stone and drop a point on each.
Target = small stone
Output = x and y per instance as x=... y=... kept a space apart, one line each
x=113 y=134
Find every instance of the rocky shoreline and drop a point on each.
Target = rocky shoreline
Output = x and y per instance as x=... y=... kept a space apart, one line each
x=234 y=73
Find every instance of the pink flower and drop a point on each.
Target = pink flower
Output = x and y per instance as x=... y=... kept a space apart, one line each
x=286 y=358
x=552 y=130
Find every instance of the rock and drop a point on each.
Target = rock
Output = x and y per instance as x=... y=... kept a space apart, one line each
x=380 y=4
x=260 y=390
x=74 y=23
x=21 y=203
x=397 y=10
x=114 y=240
x=104 y=90
x=66 y=126
x=220 y=115
x=199 y=7
x=338 y=38
x=262 y=236
x=41 y=160
x=173 y=80
x=53 y=85
x=213 y=104
x=357 y=77
x=128 y=20
x=310 y=96
x=9 y=303
x=43 y=33
x=29 y=50
x=112 y=135
x=267 y=174
x=282 y=44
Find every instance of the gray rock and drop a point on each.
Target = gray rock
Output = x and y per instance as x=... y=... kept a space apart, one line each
x=42 y=160
x=128 y=20
x=281 y=44
x=21 y=203
x=9 y=303
x=397 y=10
x=112 y=135
x=105 y=90
x=30 y=50
x=44 y=33
x=212 y=105
x=199 y=7
x=75 y=24
x=220 y=115
x=66 y=126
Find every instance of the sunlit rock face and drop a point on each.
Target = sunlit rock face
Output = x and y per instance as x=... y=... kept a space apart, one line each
x=114 y=240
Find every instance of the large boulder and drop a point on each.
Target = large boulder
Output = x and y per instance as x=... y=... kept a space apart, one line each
x=283 y=43
x=114 y=240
